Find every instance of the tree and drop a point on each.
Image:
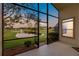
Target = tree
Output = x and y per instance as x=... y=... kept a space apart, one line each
x=16 y=13
x=13 y=10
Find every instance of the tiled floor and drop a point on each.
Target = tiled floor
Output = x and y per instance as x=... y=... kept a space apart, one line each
x=54 y=49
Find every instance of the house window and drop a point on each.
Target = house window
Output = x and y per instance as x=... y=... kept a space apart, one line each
x=28 y=25
x=67 y=27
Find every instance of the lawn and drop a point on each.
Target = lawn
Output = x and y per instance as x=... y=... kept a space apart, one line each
x=43 y=36
x=14 y=42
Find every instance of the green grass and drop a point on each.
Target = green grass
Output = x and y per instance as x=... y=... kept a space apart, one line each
x=14 y=43
x=10 y=34
x=43 y=36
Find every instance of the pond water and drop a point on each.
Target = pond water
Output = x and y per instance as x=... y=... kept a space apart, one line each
x=24 y=35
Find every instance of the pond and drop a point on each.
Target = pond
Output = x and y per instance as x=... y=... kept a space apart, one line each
x=24 y=35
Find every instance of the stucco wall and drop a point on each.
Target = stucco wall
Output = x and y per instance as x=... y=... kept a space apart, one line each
x=68 y=12
x=0 y=30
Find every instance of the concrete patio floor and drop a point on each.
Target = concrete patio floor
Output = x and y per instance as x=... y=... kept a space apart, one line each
x=54 y=49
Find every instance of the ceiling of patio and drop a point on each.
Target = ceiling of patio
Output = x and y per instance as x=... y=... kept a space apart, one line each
x=60 y=6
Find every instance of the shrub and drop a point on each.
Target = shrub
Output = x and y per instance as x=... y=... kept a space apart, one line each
x=53 y=36
x=27 y=43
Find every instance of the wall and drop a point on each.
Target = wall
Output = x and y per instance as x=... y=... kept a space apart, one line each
x=69 y=11
x=0 y=29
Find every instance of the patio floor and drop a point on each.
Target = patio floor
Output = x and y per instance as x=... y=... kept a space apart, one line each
x=54 y=49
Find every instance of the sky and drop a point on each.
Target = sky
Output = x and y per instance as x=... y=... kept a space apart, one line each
x=51 y=8
x=52 y=11
x=43 y=8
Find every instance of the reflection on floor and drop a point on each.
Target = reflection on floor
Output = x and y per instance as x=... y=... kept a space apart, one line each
x=54 y=49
